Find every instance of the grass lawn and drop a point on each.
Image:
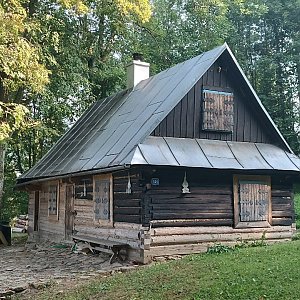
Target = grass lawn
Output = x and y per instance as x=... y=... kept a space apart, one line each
x=269 y=272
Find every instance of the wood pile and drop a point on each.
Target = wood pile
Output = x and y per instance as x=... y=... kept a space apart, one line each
x=20 y=224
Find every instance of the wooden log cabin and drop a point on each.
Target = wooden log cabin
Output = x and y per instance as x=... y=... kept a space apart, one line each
x=180 y=161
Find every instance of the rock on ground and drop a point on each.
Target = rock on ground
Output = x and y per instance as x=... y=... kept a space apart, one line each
x=23 y=269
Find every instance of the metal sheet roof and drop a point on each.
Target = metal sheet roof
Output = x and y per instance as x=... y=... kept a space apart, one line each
x=108 y=133
x=213 y=154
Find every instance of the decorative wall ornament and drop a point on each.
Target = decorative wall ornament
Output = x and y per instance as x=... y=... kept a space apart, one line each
x=185 y=185
x=128 y=189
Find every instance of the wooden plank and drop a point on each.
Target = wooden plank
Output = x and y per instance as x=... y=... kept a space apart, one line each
x=163 y=127
x=128 y=203
x=164 y=231
x=192 y=222
x=247 y=126
x=127 y=218
x=127 y=210
x=170 y=124
x=197 y=111
x=172 y=215
x=199 y=207
x=177 y=120
x=241 y=121
x=282 y=221
x=220 y=238
x=190 y=113
x=183 y=122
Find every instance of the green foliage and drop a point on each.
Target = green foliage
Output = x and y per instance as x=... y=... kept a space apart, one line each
x=251 y=273
x=14 y=202
x=297 y=204
x=219 y=248
x=268 y=48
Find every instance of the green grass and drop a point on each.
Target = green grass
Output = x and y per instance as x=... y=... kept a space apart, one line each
x=297 y=205
x=270 y=272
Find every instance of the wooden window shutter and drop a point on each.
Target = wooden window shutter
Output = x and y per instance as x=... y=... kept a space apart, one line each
x=217 y=111
x=102 y=207
x=252 y=201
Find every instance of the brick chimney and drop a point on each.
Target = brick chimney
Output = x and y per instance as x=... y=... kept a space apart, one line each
x=137 y=70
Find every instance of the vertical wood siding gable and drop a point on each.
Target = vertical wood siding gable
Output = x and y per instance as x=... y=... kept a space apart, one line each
x=186 y=119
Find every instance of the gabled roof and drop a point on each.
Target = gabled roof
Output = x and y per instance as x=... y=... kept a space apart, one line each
x=108 y=133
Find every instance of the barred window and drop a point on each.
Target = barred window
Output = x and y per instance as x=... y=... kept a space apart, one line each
x=53 y=200
x=102 y=198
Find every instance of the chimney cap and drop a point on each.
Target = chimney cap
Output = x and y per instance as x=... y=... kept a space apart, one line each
x=137 y=56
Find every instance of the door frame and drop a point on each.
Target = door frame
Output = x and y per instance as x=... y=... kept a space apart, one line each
x=69 y=214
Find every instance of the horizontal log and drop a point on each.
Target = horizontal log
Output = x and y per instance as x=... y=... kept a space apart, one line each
x=193 y=248
x=107 y=231
x=282 y=221
x=191 y=206
x=127 y=203
x=285 y=206
x=196 y=190
x=285 y=214
x=200 y=238
x=124 y=196
x=164 y=231
x=127 y=218
x=281 y=193
x=127 y=210
x=172 y=215
x=282 y=200
x=191 y=222
x=195 y=200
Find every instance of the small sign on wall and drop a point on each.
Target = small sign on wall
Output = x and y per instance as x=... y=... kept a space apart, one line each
x=155 y=181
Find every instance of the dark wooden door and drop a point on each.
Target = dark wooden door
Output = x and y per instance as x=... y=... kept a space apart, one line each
x=69 y=220
x=36 y=210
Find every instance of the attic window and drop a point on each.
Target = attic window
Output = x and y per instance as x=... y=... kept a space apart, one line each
x=217 y=111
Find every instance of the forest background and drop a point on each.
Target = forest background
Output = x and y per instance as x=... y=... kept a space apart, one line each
x=59 y=56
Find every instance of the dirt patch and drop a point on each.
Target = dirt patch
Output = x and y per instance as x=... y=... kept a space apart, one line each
x=25 y=270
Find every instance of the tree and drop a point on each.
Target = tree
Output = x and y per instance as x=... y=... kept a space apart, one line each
x=20 y=70
x=268 y=47
x=65 y=40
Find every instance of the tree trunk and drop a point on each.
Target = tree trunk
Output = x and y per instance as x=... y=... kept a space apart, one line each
x=2 y=156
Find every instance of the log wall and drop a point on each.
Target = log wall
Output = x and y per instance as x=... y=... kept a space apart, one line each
x=126 y=227
x=127 y=207
x=179 y=240
x=50 y=227
x=210 y=201
x=160 y=220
